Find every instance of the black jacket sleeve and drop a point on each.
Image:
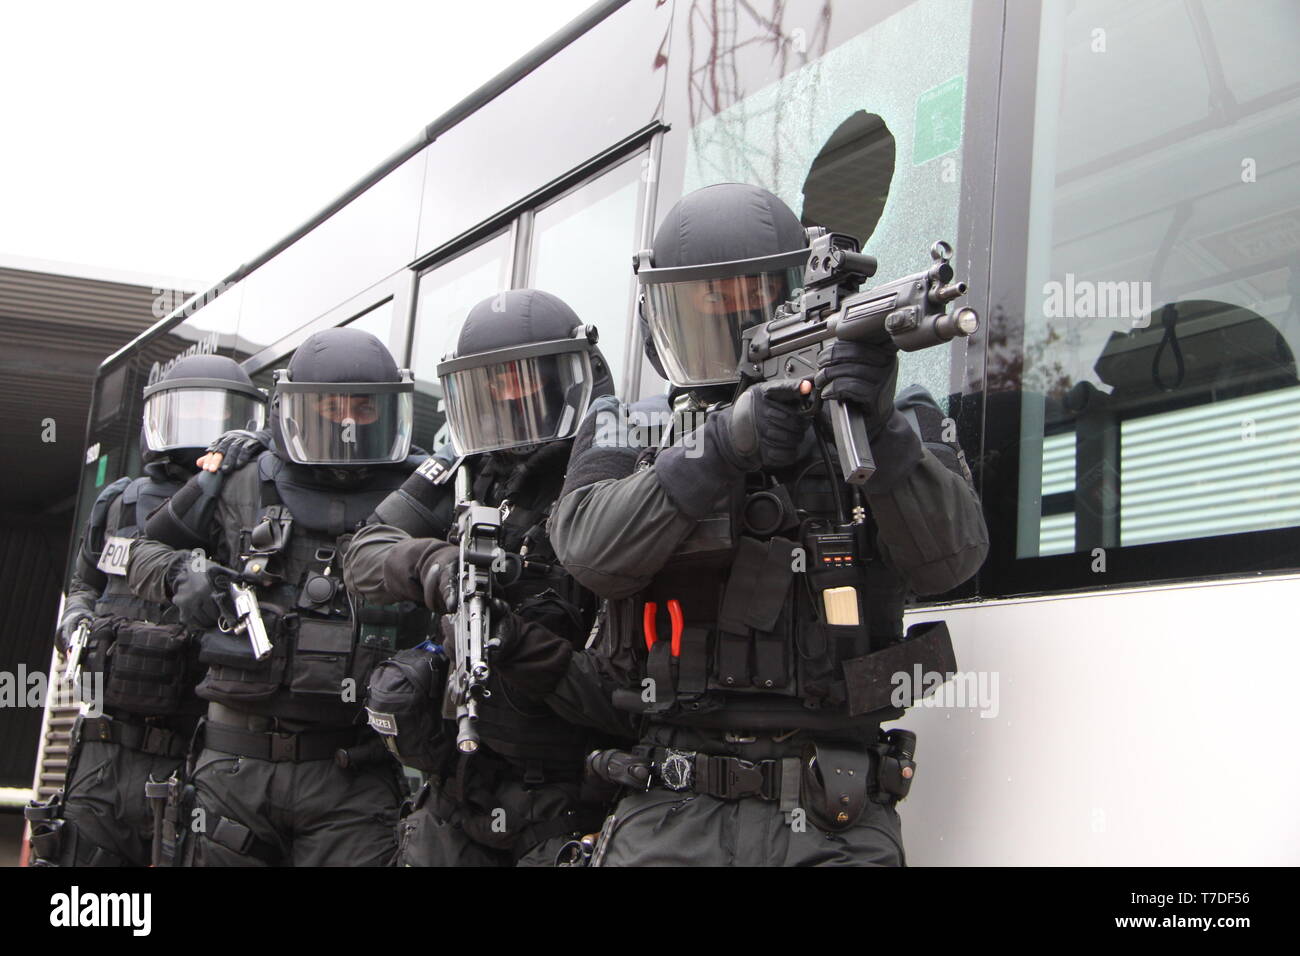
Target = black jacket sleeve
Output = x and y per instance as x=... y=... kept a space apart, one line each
x=615 y=525
x=931 y=525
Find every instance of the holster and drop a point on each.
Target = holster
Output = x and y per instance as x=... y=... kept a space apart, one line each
x=55 y=840
x=171 y=800
x=837 y=782
x=46 y=823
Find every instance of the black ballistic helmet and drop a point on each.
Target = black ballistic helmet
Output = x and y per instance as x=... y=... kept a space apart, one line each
x=724 y=257
x=199 y=398
x=524 y=371
x=342 y=402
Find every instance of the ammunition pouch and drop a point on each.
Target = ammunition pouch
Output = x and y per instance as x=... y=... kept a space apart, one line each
x=151 y=668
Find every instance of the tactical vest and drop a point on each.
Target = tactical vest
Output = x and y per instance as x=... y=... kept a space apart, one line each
x=755 y=648
x=325 y=643
x=148 y=663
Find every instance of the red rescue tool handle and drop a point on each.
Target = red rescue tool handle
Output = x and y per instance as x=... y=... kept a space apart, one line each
x=648 y=623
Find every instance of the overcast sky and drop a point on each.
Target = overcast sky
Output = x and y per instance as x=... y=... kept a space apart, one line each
x=181 y=139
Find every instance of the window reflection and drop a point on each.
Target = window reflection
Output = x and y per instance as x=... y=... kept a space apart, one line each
x=582 y=252
x=1159 y=385
x=443 y=299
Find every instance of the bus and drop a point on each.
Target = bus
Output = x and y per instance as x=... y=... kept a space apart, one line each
x=1123 y=196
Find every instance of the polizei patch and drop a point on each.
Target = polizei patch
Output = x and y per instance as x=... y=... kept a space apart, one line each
x=382 y=723
x=432 y=469
x=117 y=552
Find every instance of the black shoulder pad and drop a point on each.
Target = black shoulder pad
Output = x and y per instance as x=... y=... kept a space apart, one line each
x=607 y=444
x=183 y=522
x=93 y=541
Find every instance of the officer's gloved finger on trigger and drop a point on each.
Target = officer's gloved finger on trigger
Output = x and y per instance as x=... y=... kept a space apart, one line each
x=765 y=427
x=67 y=630
x=438 y=570
x=196 y=599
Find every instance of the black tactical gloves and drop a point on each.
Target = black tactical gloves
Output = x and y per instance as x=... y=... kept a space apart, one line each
x=68 y=627
x=438 y=570
x=763 y=429
x=238 y=447
x=198 y=595
x=527 y=658
x=863 y=374
x=422 y=570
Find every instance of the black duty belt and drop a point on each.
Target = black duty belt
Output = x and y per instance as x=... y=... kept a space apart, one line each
x=145 y=738
x=279 y=747
x=727 y=778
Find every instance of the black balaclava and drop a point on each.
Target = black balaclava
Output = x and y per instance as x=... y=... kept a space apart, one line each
x=525 y=317
x=335 y=355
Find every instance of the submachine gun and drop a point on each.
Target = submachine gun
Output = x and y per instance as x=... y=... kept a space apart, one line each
x=911 y=312
x=477 y=531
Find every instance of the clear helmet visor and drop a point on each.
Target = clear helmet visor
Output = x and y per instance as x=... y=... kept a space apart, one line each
x=323 y=427
x=193 y=417
x=520 y=402
x=696 y=324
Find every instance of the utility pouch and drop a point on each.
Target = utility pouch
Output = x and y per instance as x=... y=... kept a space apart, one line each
x=404 y=705
x=234 y=674
x=836 y=781
x=896 y=769
x=899 y=675
x=149 y=668
x=321 y=658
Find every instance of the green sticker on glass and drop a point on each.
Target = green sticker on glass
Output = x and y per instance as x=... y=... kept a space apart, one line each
x=938 y=120
x=102 y=473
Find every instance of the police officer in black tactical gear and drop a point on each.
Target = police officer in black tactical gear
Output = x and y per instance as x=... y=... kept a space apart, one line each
x=522 y=376
x=750 y=588
x=287 y=774
x=138 y=661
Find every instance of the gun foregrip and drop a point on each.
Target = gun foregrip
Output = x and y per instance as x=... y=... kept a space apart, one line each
x=856 y=460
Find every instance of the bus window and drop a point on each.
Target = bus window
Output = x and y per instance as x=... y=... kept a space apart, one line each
x=443 y=299
x=1158 y=398
x=379 y=323
x=582 y=252
x=864 y=137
